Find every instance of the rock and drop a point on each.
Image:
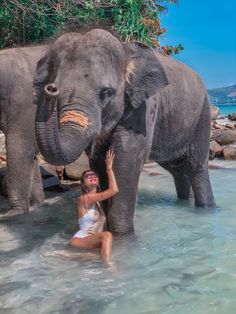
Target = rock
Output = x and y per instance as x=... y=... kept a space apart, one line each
x=229 y=153
x=60 y=171
x=218 y=126
x=2 y=144
x=215 y=149
x=50 y=174
x=224 y=137
x=220 y=117
x=214 y=112
x=51 y=183
x=229 y=125
x=76 y=168
x=3 y=159
x=232 y=116
x=48 y=170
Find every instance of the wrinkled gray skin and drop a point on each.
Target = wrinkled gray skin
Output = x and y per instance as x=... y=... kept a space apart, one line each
x=161 y=109
x=17 y=119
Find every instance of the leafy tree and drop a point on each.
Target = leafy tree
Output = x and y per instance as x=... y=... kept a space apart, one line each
x=29 y=21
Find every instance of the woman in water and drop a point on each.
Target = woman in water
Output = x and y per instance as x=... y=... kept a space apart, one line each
x=90 y=214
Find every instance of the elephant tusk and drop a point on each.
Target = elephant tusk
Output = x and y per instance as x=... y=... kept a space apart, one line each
x=75 y=116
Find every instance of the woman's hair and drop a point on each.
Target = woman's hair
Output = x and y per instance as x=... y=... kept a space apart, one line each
x=84 y=188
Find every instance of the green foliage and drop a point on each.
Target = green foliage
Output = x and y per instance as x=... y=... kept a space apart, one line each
x=29 y=21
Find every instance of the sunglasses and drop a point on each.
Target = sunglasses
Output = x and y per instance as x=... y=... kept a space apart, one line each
x=90 y=175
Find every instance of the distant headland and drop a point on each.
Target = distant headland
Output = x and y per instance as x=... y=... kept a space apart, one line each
x=223 y=95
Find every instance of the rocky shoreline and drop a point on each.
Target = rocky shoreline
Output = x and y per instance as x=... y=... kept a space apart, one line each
x=223 y=135
x=222 y=146
x=66 y=179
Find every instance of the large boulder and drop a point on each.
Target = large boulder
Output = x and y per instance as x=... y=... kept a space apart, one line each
x=2 y=144
x=230 y=125
x=75 y=169
x=224 y=137
x=217 y=126
x=49 y=174
x=229 y=153
x=3 y=159
x=232 y=116
x=214 y=112
x=215 y=149
x=47 y=170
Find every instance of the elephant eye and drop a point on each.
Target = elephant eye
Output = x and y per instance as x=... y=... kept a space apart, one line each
x=105 y=95
x=146 y=79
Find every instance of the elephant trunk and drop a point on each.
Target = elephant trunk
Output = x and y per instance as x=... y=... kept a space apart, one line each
x=61 y=142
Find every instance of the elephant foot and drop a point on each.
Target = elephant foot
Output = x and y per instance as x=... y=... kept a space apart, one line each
x=210 y=205
x=36 y=203
x=124 y=234
x=120 y=231
x=13 y=212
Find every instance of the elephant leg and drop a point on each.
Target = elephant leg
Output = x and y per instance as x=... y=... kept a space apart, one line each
x=182 y=185
x=202 y=190
x=182 y=182
x=37 y=194
x=130 y=153
x=20 y=164
x=198 y=161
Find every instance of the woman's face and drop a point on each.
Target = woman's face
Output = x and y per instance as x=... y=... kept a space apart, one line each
x=90 y=179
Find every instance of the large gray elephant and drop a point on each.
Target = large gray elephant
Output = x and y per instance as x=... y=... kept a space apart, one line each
x=94 y=92
x=17 y=119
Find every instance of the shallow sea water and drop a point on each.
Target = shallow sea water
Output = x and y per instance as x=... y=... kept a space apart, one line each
x=225 y=109
x=181 y=260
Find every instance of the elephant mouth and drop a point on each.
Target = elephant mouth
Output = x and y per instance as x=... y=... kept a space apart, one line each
x=75 y=116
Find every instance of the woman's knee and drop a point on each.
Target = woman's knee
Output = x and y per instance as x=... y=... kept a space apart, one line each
x=72 y=241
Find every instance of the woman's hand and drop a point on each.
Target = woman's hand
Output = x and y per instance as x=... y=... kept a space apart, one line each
x=110 y=155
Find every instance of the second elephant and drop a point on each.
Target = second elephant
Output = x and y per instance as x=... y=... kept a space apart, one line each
x=17 y=118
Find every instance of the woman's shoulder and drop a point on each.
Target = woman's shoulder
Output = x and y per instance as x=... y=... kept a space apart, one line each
x=85 y=200
x=80 y=201
x=79 y=198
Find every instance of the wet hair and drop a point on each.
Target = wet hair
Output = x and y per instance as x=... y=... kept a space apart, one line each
x=84 y=188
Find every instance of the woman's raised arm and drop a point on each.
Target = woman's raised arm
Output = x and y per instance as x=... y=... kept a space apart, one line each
x=112 y=185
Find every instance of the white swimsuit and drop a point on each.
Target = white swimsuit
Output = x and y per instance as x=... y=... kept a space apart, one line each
x=91 y=222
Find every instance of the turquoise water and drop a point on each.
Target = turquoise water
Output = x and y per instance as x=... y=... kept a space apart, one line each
x=226 y=109
x=181 y=260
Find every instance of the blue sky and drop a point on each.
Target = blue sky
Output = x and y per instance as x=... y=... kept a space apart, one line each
x=207 y=29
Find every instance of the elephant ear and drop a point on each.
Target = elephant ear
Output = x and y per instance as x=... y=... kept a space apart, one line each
x=45 y=73
x=146 y=75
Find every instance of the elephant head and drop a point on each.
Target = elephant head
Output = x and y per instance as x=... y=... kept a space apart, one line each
x=82 y=86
